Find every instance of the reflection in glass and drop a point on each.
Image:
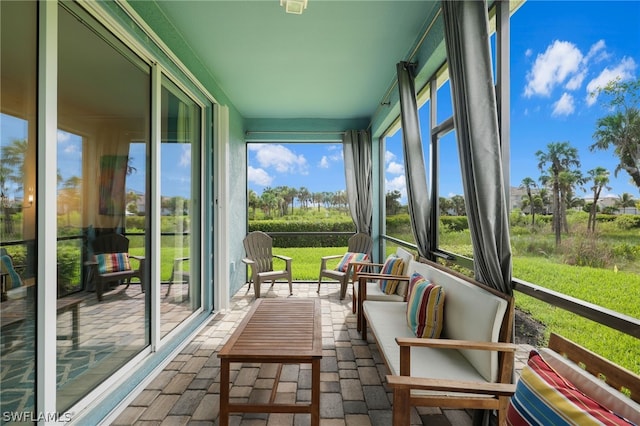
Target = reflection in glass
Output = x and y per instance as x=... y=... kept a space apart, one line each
x=179 y=189
x=99 y=119
x=18 y=208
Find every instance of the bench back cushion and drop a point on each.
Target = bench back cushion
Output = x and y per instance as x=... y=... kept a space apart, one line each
x=407 y=257
x=470 y=313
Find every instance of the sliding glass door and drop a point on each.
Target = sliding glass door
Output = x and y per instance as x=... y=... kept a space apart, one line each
x=104 y=98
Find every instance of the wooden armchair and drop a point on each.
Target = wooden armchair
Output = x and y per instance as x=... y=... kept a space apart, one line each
x=258 y=247
x=358 y=243
x=111 y=262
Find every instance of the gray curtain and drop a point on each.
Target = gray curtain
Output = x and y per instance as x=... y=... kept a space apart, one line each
x=417 y=193
x=358 y=174
x=476 y=121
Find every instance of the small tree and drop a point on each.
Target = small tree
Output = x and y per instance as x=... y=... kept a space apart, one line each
x=558 y=161
x=392 y=203
x=528 y=183
x=600 y=178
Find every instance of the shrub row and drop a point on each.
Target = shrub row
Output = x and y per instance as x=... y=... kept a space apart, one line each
x=323 y=240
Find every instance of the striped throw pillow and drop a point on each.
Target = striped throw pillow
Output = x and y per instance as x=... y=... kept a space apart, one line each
x=112 y=262
x=425 y=308
x=392 y=266
x=543 y=397
x=350 y=257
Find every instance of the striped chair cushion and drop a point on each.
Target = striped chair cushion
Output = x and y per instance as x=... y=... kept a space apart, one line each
x=425 y=308
x=392 y=266
x=350 y=257
x=113 y=262
x=543 y=397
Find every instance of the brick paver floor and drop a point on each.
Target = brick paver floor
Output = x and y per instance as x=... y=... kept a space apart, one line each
x=353 y=390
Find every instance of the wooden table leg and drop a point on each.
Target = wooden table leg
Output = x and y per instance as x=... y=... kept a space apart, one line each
x=224 y=392
x=315 y=392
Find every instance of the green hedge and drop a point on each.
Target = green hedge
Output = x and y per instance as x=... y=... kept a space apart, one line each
x=335 y=225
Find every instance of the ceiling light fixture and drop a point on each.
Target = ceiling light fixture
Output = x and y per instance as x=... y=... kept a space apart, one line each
x=294 y=6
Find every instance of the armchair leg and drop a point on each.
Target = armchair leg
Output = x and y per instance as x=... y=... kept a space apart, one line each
x=256 y=288
x=290 y=287
x=99 y=289
x=343 y=288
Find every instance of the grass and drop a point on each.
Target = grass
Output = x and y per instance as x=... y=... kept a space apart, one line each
x=607 y=288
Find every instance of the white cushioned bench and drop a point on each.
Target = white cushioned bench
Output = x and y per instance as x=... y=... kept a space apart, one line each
x=469 y=366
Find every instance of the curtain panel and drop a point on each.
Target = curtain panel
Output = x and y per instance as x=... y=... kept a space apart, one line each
x=466 y=26
x=358 y=176
x=414 y=169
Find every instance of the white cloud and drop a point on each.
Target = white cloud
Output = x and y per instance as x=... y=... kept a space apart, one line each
x=324 y=162
x=185 y=158
x=63 y=136
x=282 y=159
x=259 y=176
x=564 y=106
x=395 y=168
x=575 y=82
x=623 y=71
x=389 y=156
x=528 y=52
x=398 y=183
x=560 y=61
x=597 y=51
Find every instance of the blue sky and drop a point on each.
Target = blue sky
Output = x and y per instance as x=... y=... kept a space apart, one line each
x=560 y=51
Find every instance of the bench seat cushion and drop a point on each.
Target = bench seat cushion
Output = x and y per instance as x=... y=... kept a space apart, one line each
x=388 y=321
x=374 y=292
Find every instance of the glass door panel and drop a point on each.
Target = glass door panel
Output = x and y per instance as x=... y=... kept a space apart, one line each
x=18 y=233
x=104 y=103
x=180 y=193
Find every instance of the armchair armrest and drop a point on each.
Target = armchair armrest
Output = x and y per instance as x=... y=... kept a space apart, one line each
x=286 y=259
x=324 y=259
x=248 y=261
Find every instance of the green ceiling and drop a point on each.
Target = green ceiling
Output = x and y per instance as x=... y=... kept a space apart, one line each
x=334 y=63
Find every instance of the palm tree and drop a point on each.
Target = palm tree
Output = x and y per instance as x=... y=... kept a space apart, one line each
x=621 y=129
x=528 y=183
x=253 y=201
x=600 y=178
x=304 y=196
x=560 y=157
x=626 y=200
x=568 y=179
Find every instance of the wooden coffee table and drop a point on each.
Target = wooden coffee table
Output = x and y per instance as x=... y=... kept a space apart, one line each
x=283 y=331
